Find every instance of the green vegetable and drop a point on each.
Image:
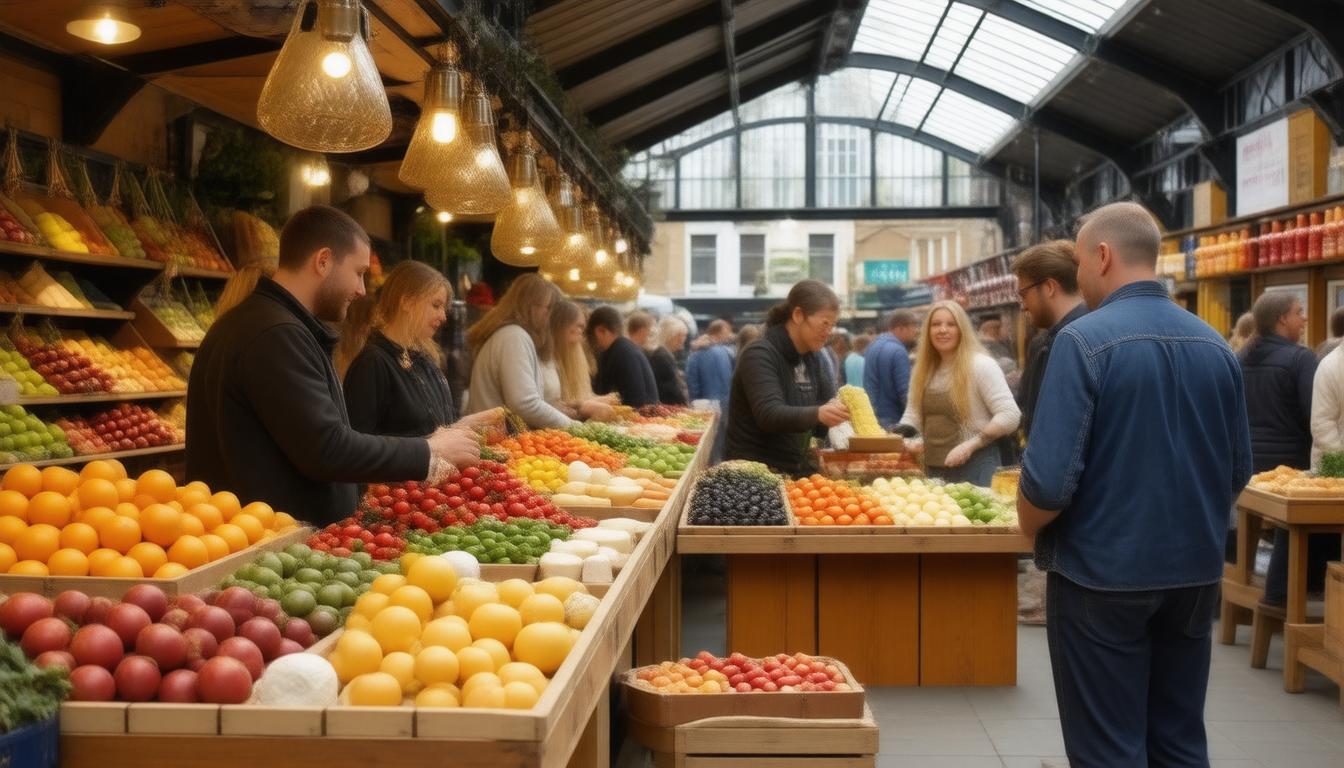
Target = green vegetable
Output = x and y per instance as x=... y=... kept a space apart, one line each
x=28 y=694
x=1332 y=464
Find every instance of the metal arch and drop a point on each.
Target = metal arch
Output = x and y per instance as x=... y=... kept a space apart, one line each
x=1199 y=97
x=1321 y=17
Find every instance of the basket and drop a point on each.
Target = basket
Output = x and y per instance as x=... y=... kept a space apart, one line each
x=32 y=746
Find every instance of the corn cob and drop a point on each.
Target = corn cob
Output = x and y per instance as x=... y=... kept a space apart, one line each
x=861 y=414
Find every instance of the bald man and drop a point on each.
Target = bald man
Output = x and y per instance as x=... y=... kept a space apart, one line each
x=1138 y=450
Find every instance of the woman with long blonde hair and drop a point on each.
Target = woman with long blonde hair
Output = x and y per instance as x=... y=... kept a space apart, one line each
x=566 y=371
x=241 y=285
x=391 y=364
x=959 y=399
x=508 y=345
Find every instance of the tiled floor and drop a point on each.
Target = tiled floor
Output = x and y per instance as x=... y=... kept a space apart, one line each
x=1252 y=723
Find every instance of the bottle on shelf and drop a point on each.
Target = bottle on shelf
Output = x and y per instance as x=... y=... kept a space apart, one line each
x=1301 y=239
x=1314 y=237
x=1330 y=235
x=1263 y=245
x=1275 y=243
x=1245 y=253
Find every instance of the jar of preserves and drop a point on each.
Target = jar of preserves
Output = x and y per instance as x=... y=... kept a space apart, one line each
x=1330 y=234
x=1276 y=243
x=1301 y=238
x=1245 y=250
x=1263 y=245
x=1315 y=235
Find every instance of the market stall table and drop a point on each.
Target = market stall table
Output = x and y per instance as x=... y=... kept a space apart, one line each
x=1301 y=517
x=901 y=606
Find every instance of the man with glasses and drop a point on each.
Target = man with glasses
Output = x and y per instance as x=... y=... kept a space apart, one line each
x=1047 y=281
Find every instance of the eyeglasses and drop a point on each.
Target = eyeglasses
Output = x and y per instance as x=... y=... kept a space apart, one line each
x=1022 y=292
x=824 y=326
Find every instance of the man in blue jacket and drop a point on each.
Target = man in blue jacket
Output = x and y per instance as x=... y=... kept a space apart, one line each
x=1137 y=454
x=709 y=371
x=886 y=367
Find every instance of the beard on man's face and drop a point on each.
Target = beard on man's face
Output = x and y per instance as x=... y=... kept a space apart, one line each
x=331 y=302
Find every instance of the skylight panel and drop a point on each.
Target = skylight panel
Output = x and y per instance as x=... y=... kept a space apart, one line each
x=1088 y=15
x=967 y=122
x=898 y=27
x=853 y=92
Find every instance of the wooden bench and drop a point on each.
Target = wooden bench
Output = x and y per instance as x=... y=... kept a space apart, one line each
x=761 y=742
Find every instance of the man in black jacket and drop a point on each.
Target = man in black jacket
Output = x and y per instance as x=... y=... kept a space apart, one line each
x=622 y=367
x=1279 y=373
x=267 y=418
x=1047 y=286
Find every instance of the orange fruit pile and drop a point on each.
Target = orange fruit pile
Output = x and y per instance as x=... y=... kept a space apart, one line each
x=563 y=446
x=99 y=522
x=818 y=500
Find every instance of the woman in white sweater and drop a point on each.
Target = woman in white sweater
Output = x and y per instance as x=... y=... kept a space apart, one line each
x=959 y=399
x=505 y=367
x=1327 y=406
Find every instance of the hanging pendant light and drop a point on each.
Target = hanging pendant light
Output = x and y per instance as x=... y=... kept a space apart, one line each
x=525 y=229
x=106 y=22
x=603 y=261
x=473 y=180
x=324 y=92
x=573 y=249
x=431 y=147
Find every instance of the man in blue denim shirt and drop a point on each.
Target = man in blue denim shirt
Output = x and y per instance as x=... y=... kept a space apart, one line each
x=1132 y=464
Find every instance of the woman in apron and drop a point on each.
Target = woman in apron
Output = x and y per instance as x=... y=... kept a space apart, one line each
x=959 y=399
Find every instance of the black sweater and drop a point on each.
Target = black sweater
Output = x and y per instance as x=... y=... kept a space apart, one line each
x=384 y=398
x=623 y=368
x=772 y=408
x=266 y=417
x=671 y=388
x=1278 y=376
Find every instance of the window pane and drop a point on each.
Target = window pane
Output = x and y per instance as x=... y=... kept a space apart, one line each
x=774 y=166
x=967 y=185
x=1089 y=15
x=910 y=100
x=909 y=174
x=708 y=177
x=789 y=101
x=751 y=252
x=842 y=165
x=853 y=92
x=821 y=257
x=967 y=122
x=704 y=259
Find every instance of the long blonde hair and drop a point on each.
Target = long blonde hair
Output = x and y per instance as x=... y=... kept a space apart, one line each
x=410 y=281
x=928 y=359
x=515 y=308
x=241 y=285
x=571 y=360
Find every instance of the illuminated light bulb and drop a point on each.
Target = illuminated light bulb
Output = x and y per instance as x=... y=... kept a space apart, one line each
x=622 y=245
x=590 y=285
x=526 y=227
x=106 y=30
x=600 y=257
x=444 y=217
x=527 y=250
x=575 y=239
x=574 y=274
x=485 y=158
x=444 y=126
x=105 y=23
x=336 y=64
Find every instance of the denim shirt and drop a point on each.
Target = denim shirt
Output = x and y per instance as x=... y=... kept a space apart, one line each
x=1141 y=442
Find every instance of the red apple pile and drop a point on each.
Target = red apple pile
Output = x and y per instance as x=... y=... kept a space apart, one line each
x=70 y=372
x=151 y=648
x=707 y=673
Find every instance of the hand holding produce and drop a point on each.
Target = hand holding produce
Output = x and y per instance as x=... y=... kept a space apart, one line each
x=861 y=413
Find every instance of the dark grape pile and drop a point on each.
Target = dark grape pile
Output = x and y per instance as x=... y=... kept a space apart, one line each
x=734 y=495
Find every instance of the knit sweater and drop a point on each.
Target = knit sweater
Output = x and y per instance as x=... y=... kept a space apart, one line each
x=506 y=372
x=994 y=412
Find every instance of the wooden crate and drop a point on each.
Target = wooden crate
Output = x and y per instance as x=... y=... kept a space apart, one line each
x=1291 y=509
x=761 y=742
x=1334 y=609
x=196 y=580
x=670 y=709
x=685 y=528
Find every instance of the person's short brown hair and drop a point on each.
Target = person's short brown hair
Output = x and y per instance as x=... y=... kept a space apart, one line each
x=317 y=227
x=1269 y=309
x=1051 y=260
x=902 y=318
x=1337 y=323
x=637 y=322
x=718 y=326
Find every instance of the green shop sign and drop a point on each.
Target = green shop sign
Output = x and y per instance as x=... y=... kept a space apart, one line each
x=886 y=272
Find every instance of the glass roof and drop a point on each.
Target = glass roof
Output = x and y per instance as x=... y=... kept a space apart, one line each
x=978 y=45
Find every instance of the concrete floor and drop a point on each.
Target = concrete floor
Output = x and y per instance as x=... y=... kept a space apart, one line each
x=1252 y=723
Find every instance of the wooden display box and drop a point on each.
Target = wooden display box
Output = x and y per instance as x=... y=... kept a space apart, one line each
x=154 y=331
x=669 y=709
x=1294 y=510
x=761 y=742
x=195 y=580
x=686 y=528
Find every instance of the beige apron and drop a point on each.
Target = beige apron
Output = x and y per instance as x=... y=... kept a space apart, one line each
x=942 y=429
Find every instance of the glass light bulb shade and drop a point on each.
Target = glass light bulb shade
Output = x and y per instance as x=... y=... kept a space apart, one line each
x=575 y=275
x=525 y=227
x=471 y=180
x=602 y=263
x=444 y=217
x=428 y=156
x=305 y=103
x=105 y=23
x=622 y=245
x=571 y=253
x=561 y=193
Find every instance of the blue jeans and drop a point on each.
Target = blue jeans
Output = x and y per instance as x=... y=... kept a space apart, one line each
x=1131 y=671
x=978 y=470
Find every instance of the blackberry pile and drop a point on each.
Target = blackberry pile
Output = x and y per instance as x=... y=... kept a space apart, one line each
x=738 y=495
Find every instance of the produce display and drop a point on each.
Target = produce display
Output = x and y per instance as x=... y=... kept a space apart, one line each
x=24 y=437
x=68 y=370
x=494 y=541
x=917 y=502
x=1296 y=483
x=317 y=587
x=99 y=522
x=818 y=500
x=563 y=446
x=66 y=226
x=181 y=363
x=29 y=694
x=11 y=292
x=149 y=647
x=134 y=369
x=861 y=414
x=46 y=291
x=667 y=459
x=15 y=226
x=625 y=487
x=866 y=467
x=121 y=428
x=175 y=317
x=430 y=639
x=118 y=230
x=738 y=493
x=15 y=366
x=707 y=673
x=543 y=474
x=58 y=232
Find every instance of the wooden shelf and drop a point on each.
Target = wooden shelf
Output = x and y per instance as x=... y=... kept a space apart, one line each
x=91 y=314
x=102 y=397
x=206 y=274
x=131 y=454
x=51 y=254
x=1256 y=218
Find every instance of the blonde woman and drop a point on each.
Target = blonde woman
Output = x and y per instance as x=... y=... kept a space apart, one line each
x=566 y=372
x=672 y=333
x=241 y=285
x=392 y=366
x=507 y=347
x=959 y=399
x=1243 y=332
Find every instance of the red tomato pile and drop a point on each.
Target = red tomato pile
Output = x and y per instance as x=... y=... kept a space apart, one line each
x=707 y=673
x=388 y=512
